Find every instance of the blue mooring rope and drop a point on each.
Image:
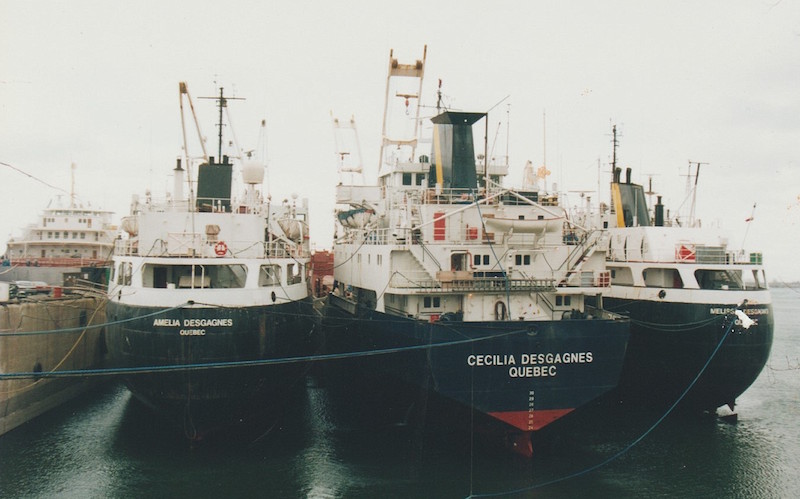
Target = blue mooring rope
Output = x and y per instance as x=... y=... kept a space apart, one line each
x=245 y=363
x=90 y=326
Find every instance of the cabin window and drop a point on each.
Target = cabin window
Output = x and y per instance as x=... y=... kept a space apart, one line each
x=621 y=276
x=522 y=259
x=662 y=278
x=294 y=273
x=719 y=279
x=380 y=259
x=431 y=302
x=406 y=179
x=269 y=275
x=755 y=279
x=228 y=276
x=476 y=259
x=124 y=273
x=563 y=301
x=420 y=178
x=57 y=235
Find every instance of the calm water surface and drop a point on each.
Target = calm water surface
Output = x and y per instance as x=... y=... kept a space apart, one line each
x=107 y=445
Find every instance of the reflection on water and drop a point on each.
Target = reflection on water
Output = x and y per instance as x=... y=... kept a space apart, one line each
x=108 y=445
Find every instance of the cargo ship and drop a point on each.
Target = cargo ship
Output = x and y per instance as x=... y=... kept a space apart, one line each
x=681 y=284
x=469 y=294
x=208 y=301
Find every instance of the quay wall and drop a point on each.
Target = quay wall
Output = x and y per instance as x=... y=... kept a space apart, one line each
x=22 y=399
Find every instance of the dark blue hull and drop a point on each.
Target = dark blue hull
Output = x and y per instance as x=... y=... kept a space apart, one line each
x=515 y=376
x=211 y=399
x=671 y=342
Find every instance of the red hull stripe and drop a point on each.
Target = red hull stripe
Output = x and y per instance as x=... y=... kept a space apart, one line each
x=530 y=420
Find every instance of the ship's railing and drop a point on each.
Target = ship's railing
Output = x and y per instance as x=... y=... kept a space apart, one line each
x=466 y=235
x=196 y=247
x=467 y=281
x=428 y=195
x=689 y=254
x=213 y=205
x=54 y=262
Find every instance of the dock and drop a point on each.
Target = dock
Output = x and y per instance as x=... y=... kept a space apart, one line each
x=46 y=334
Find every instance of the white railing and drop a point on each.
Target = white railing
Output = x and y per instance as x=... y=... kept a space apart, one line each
x=467 y=281
x=194 y=247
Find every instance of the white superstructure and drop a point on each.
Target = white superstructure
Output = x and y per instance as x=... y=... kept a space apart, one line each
x=66 y=234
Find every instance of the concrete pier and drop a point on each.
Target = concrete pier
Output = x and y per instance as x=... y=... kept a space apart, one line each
x=25 y=398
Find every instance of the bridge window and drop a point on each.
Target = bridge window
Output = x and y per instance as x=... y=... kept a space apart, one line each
x=194 y=276
x=719 y=279
x=621 y=276
x=662 y=278
x=755 y=280
x=269 y=275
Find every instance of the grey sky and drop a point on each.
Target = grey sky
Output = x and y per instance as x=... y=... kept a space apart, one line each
x=96 y=83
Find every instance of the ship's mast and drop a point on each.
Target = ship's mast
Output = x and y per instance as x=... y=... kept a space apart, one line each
x=615 y=144
x=693 y=189
x=72 y=167
x=222 y=104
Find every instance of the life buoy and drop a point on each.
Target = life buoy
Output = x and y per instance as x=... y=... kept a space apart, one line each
x=221 y=249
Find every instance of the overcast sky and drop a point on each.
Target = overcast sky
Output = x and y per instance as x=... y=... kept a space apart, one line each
x=96 y=83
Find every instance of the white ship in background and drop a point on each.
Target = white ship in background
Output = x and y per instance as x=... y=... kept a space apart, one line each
x=66 y=237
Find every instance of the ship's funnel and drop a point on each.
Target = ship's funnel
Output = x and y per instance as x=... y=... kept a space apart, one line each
x=628 y=201
x=453 y=154
x=177 y=188
x=659 y=213
x=214 y=185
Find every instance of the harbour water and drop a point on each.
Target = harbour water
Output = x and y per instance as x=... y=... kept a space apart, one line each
x=107 y=445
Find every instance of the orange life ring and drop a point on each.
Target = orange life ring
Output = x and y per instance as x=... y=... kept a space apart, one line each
x=221 y=248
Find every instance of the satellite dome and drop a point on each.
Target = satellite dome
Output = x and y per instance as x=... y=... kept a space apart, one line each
x=252 y=172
